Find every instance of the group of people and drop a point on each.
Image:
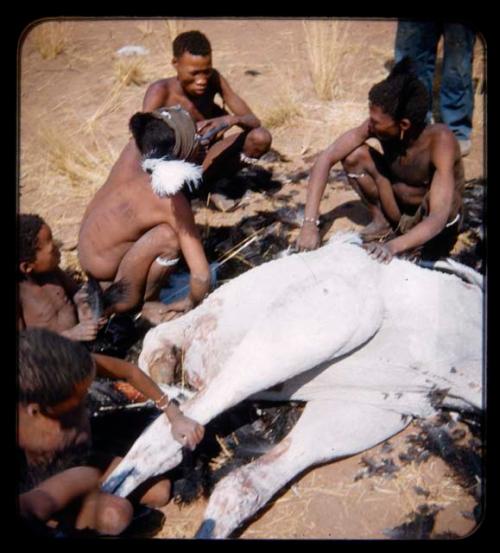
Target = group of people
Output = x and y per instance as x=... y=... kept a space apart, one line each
x=141 y=221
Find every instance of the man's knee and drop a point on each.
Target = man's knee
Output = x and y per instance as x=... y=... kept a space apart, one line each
x=258 y=142
x=167 y=240
x=357 y=158
x=113 y=514
x=158 y=495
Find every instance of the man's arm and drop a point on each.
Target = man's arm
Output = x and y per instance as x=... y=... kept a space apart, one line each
x=156 y=96
x=441 y=195
x=186 y=431
x=242 y=116
x=341 y=148
x=192 y=250
x=57 y=492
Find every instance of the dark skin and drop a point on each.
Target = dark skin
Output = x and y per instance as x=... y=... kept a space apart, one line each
x=50 y=298
x=422 y=165
x=46 y=301
x=127 y=226
x=194 y=88
x=44 y=432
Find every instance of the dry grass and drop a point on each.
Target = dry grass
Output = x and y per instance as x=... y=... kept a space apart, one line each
x=84 y=168
x=284 y=112
x=174 y=27
x=130 y=71
x=146 y=28
x=51 y=38
x=327 y=44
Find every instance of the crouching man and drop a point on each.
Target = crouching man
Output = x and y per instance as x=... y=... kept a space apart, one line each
x=139 y=221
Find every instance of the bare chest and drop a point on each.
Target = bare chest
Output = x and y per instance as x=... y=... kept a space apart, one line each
x=200 y=109
x=47 y=305
x=414 y=168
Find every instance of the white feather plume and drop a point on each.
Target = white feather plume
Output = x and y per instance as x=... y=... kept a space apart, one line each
x=168 y=177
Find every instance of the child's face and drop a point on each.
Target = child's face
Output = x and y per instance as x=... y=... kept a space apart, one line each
x=48 y=255
x=193 y=72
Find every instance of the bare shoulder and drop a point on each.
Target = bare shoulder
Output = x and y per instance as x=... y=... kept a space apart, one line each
x=161 y=85
x=440 y=134
x=158 y=93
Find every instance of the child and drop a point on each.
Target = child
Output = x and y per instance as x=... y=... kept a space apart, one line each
x=45 y=294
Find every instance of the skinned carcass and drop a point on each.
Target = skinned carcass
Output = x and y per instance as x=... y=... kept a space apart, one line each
x=366 y=345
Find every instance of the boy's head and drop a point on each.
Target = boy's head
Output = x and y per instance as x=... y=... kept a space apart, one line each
x=398 y=102
x=37 y=251
x=192 y=61
x=54 y=376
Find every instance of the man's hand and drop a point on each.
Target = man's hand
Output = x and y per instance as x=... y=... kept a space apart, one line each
x=84 y=331
x=308 y=238
x=211 y=128
x=178 y=308
x=185 y=430
x=379 y=252
x=84 y=310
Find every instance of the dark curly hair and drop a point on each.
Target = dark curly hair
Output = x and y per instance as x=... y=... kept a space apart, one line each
x=193 y=42
x=153 y=137
x=50 y=366
x=402 y=94
x=29 y=226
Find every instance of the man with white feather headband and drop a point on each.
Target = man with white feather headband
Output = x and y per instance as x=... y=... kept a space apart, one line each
x=139 y=221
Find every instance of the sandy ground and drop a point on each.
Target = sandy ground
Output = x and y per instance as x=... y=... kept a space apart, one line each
x=74 y=113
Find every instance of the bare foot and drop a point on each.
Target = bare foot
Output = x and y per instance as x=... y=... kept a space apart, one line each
x=376 y=230
x=156 y=312
x=222 y=203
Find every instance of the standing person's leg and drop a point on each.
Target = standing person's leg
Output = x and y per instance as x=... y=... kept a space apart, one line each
x=457 y=95
x=419 y=40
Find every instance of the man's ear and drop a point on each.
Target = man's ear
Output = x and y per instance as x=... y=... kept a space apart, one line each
x=175 y=62
x=404 y=124
x=33 y=409
x=26 y=267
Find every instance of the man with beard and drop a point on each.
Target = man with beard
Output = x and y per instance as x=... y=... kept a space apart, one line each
x=413 y=188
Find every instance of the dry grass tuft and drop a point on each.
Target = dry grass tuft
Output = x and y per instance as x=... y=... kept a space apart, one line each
x=284 y=112
x=84 y=168
x=146 y=27
x=130 y=71
x=327 y=44
x=174 y=27
x=51 y=38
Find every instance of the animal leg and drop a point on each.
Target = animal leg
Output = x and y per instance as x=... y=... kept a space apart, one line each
x=326 y=430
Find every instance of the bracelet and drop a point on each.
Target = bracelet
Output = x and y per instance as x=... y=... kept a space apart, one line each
x=311 y=220
x=159 y=401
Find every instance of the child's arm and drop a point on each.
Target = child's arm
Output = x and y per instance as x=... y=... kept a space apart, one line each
x=186 y=431
x=57 y=492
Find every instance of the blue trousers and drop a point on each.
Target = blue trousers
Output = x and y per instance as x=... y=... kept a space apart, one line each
x=419 y=40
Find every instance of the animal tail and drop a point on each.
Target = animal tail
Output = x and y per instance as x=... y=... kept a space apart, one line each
x=453 y=267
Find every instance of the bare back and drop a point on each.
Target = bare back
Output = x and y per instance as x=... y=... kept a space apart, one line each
x=122 y=211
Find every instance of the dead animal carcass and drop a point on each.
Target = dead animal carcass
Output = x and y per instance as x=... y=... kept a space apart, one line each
x=366 y=345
